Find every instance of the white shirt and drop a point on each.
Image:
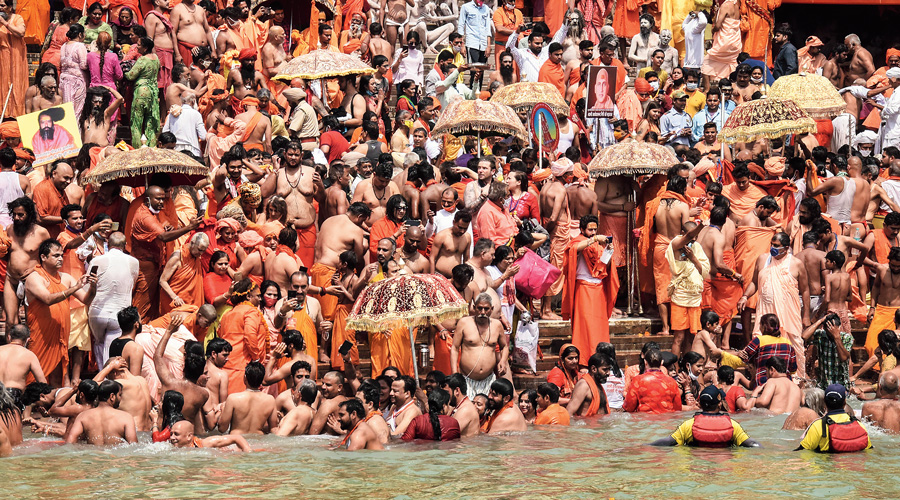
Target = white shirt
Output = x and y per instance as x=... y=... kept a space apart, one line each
x=694 y=28
x=188 y=128
x=891 y=116
x=117 y=273
x=530 y=64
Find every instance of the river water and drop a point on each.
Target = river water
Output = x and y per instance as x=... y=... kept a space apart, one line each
x=605 y=458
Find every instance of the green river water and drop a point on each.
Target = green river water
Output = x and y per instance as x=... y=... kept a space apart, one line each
x=605 y=458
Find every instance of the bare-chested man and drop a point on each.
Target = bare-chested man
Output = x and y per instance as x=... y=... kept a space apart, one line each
x=196 y=397
x=451 y=246
x=336 y=200
x=297 y=421
x=159 y=29
x=474 y=342
x=351 y=415
x=464 y=410
x=17 y=362
x=717 y=241
x=289 y=398
x=332 y=396
x=376 y=191
x=413 y=239
x=378 y=46
x=431 y=194
x=668 y=221
x=105 y=424
x=394 y=16
x=191 y=30
x=483 y=256
x=614 y=201
x=761 y=215
x=25 y=237
x=181 y=85
x=370 y=396
x=599 y=367
x=98 y=110
x=46 y=98
x=885 y=410
x=134 y=397
x=555 y=216
x=403 y=405
x=250 y=411
x=217 y=352
x=779 y=394
x=272 y=54
x=861 y=63
x=231 y=17
x=297 y=183
x=259 y=128
x=281 y=264
x=183 y=437
x=885 y=296
x=505 y=415
x=813 y=260
x=505 y=74
x=582 y=201
x=292 y=347
x=246 y=81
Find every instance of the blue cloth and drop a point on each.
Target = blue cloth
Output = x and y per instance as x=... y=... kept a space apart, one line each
x=475 y=25
x=756 y=63
x=786 y=61
x=703 y=117
x=673 y=121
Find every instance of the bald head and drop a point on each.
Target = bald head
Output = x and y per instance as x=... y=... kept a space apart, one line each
x=414 y=232
x=183 y=426
x=888 y=384
x=854 y=164
x=852 y=40
x=156 y=198
x=276 y=31
x=116 y=240
x=895 y=167
x=207 y=311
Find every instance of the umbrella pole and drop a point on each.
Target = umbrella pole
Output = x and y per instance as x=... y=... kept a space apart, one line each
x=412 y=346
x=629 y=259
x=479 y=144
x=6 y=102
x=540 y=140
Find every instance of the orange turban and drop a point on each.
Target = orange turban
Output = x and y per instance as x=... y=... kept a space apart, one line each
x=891 y=52
x=24 y=154
x=229 y=223
x=775 y=166
x=580 y=173
x=250 y=101
x=756 y=169
x=642 y=85
x=250 y=239
x=272 y=228
x=814 y=41
x=540 y=175
x=10 y=129
x=246 y=53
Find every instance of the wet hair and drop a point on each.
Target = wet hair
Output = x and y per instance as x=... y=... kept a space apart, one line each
x=462 y=273
x=811 y=237
x=354 y=406
x=217 y=345
x=288 y=238
x=171 y=408
x=108 y=388
x=308 y=392
x=294 y=339
x=128 y=318
x=725 y=374
x=254 y=372
x=646 y=348
x=359 y=209
x=777 y=363
x=549 y=391
x=531 y=395
x=371 y=392
x=481 y=246
x=708 y=316
x=503 y=387
x=814 y=399
x=609 y=350
x=437 y=399
x=677 y=184
x=33 y=393
x=836 y=257
x=19 y=332
x=771 y=322
x=194 y=363
x=653 y=358
x=718 y=216
x=300 y=365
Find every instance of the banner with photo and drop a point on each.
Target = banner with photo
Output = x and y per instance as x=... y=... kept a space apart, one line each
x=51 y=133
x=600 y=92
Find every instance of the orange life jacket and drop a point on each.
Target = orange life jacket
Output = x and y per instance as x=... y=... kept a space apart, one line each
x=712 y=430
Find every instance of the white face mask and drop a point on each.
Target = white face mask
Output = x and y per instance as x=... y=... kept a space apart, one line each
x=654 y=85
x=756 y=80
x=865 y=153
x=691 y=86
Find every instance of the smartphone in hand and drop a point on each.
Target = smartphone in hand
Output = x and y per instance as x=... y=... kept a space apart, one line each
x=345 y=347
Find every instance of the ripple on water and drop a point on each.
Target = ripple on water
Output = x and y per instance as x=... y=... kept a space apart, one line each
x=596 y=458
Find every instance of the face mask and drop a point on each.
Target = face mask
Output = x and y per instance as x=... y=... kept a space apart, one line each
x=775 y=252
x=864 y=153
x=270 y=301
x=456 y=49
x=510 y=6
x=408 y=123
x=679 y=81
x=654 y=85
x=691 y=86
x=619 y=135
x=756 y=81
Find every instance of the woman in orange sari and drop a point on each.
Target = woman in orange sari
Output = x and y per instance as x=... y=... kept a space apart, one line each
x=67 y=17
x=565 y=374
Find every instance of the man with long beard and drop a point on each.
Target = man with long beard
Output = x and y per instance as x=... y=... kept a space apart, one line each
x=505 y=74
x=246 y=81
x=25 y=237
x=96 y=120
x=50 y=136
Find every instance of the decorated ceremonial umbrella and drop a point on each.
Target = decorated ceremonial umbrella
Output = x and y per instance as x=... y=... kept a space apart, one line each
x=813 y=93
x=406 y=300
x=479 y=118
x=631 y=157
x=523 y=96
x=131 y=168
x=322 y=64
x=766 y=117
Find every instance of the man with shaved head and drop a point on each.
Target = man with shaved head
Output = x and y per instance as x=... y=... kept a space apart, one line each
x=148 y=239
x=51 y=194
x=885 y=411
x=413 y=241
x=182 y=436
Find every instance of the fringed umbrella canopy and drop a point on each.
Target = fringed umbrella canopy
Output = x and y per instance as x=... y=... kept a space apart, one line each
x=322 y=64
x=631 y=157
x=130 y=168
x=406 y=301
x=813 y=93
x=464 y=117
x=523 y=96
x=767 y=117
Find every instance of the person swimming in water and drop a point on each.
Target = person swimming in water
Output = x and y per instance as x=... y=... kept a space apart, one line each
x=710 y=428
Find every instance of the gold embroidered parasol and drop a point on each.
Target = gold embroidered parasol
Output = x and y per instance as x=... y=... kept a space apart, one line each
x=766 y=117
x=813 y=93
x=322 y=64
x=479 y=118
x=631 y=157
x=130 y=168
x=525 y=95
x=406 y=301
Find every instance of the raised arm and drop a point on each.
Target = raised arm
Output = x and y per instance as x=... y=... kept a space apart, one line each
x=162 y=368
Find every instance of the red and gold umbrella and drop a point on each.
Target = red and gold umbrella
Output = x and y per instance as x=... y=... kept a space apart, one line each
x=631 y=157
x=479 y=118
x=406 y=300
x=525 y=95
x=766 y=117
x=132 y=167
x=322 y=64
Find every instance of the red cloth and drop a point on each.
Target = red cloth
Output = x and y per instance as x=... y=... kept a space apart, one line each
x=653 y=392
x=494 y=223
x=731 y=397
x=560 y=378
x=215 y=285
x=421 y=428
x=306 y=244
x=526 y=207
x=336 y=142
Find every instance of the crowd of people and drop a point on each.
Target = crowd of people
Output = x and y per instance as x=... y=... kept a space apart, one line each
x=211 y=308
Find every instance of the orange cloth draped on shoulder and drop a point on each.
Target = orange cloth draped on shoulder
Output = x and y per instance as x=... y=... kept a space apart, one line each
x=630 y=108
x=186 y=281
x=554 y=14
x=779 y=295
x=244 y=327
x=721 y=59
x=442 y=348
x=72 y=265
x=391 y=348
x=49 y=202
x=349 y=8
x=749 y=244
x=306 y=244
x=304 y=324
x=49 y=327
x=589 y=305
x=559 y=241
x=384 y=228
x=626 y=18
x=486 y=427
x=553 y=415
x=553 y=74
x=649 y=236
x=722 y=294
x=617 y=227
x=594 y=407
x=742 y=202
x=341 y=333
x=882 y=320
x=190 y=321
x=15 y=67
x=757 y=23
x=320 y=275
x=882 y=246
